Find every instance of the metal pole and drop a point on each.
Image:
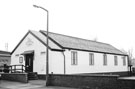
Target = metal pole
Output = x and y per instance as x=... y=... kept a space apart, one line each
x=47 y=53
x=47 y=42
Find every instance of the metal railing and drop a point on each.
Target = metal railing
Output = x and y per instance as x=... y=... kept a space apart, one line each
x=17 y=68
x=1 y=69
x=12 y=69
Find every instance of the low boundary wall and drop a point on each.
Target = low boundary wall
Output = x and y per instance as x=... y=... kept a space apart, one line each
x=126 y=83
x=85 y=81
x=92 y=81
x=19 y=77
x=42 y=76
x=121 y=74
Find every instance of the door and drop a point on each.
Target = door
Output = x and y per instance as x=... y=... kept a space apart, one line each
x=29 y=62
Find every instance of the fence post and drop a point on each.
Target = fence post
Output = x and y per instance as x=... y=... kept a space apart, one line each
x=2 y=69
x=22 y=68
x=130 y=70
x=11 y=69
x=14 y=68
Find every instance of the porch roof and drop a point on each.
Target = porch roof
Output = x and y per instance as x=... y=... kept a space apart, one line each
x=28 y=52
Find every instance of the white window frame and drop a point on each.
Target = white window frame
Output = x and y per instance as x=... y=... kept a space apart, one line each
x=74 y=58
x=20 y=59
x=124 y=60
x=115 y=60
x=104 y=59
x=91 y=58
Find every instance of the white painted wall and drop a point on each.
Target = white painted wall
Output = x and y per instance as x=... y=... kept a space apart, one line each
x=56 y=60
x=38 y=47
x=56 y=63
x=39 y=64
x=84 y=67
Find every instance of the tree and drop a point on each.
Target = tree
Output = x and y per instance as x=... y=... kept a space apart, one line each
x=130 y=56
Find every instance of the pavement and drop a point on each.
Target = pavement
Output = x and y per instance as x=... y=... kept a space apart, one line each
x=33 y=84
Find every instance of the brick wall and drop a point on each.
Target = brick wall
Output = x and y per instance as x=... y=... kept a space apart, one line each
x=126 y=84
x=19 y=77
x=126 y=73
x=42 y=76
x=85 y=81
x=91 y=81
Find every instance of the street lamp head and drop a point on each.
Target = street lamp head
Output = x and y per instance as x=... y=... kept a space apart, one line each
x=36 y=6
x=40 y=7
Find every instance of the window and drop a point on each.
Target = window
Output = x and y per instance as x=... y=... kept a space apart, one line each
x=74 y=58
x=124 y=60
x=91 y=59
x=104 y=59
x=115 y=60
x=20 y=59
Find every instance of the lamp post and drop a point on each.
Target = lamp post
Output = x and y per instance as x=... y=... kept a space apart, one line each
x=47 y=52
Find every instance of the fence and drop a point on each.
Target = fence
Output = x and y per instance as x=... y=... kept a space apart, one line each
x=1 y=69
x=17 y=68
x=12 y=69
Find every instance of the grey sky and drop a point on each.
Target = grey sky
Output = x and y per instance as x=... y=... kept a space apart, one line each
x=111 y=21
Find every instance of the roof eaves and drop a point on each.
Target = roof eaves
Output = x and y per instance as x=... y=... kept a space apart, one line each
x=95 y=51
x=60 y=50
x=4 y=52
x=5 y=55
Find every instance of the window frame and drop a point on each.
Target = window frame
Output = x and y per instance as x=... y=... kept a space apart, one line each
x=91 y=58
x=74 y=58
x=115 y=60
x=105 y=59
x=124 y=60
x=20 y=59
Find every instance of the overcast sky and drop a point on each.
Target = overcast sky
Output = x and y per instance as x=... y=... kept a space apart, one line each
x=110 y=21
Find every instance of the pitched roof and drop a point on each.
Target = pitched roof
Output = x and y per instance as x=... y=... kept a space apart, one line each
x=69 y=42
x=39 y=36
x=82 y=44
x=42 y=39
x=4 y=53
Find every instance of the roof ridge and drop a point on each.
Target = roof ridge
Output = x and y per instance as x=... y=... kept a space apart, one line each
x=77 y=38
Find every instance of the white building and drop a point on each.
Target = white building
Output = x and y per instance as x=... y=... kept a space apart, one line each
x=67 y=55
x=5 y=58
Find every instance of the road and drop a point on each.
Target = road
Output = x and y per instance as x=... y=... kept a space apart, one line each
x=34 y=84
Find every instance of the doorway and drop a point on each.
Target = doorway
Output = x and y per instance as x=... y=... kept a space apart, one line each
x=29 y=62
